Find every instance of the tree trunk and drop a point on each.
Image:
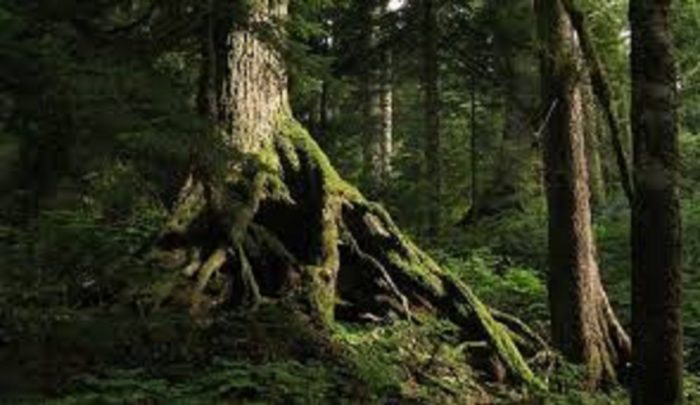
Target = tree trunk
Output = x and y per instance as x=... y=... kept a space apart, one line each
x=323 y=107
x=514 y=173
x=473 y=152
x=431 y=100
x=656 y=224
x=378 y=101
x=584 y=327
x=603 y=92
x=281 y=226
x=515 y=168
x=596 y=181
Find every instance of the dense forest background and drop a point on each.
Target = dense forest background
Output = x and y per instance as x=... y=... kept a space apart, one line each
x=432 y=108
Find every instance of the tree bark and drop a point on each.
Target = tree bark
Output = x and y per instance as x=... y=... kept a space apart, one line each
x=584 y=327
x=656 y=223
x=248 y=113
x=431 y=104
x=603 y=92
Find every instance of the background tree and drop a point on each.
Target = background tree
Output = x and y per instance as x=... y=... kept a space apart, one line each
x=377 y=94
x=431 y=100
x=583 y=324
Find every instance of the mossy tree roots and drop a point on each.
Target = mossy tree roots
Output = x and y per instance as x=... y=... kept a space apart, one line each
x=284 y=226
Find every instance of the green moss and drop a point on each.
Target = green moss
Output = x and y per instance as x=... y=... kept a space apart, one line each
x=290 y=129
x=498 y=336
x=409 y=258
x=418 y=363
x=294 y=139
x=417 y=272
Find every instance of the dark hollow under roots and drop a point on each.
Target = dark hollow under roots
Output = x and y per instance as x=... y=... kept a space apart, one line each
x=285 y=227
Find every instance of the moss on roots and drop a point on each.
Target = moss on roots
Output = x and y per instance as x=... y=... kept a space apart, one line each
x=285 y=226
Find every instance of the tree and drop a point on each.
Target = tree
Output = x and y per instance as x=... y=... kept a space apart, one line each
x=280 y=223
x=597 y=76
x=377 y=89
x=513 y=34
x=592 y=128
x=656 y=225
x=584 y=327
x=431 y=109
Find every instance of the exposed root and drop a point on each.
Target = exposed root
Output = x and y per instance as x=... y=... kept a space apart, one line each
x=250 y=297
x=214 y=263
x=527 y=340
x=288 y=227
x=369 y=275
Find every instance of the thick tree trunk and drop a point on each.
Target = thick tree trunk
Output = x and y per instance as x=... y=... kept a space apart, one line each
x=431 y=100
x=583 y=324
x=254 y=85
x=378 y=100
x=282 y=226
x=656 y=224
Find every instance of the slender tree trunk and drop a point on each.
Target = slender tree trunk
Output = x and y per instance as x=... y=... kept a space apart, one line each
x=387 y=108
x=377 y=101
x=584 y=327
x=603 y=91
x=596 y=181
x=656 y=222
x=514 y=172
x=516 y=129
x=431 y=94
x=516 y=155
x=323 y=107
x=474 y=153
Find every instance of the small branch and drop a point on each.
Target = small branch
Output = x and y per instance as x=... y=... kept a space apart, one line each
x=547 y=117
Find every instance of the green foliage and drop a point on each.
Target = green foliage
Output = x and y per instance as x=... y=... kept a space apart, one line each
x=690 y=153
x=686 y=22
x=500 y=283
x=87 y=246
x=518 y=235
x=422 y=362
x=275 y=382
x=567 y=386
